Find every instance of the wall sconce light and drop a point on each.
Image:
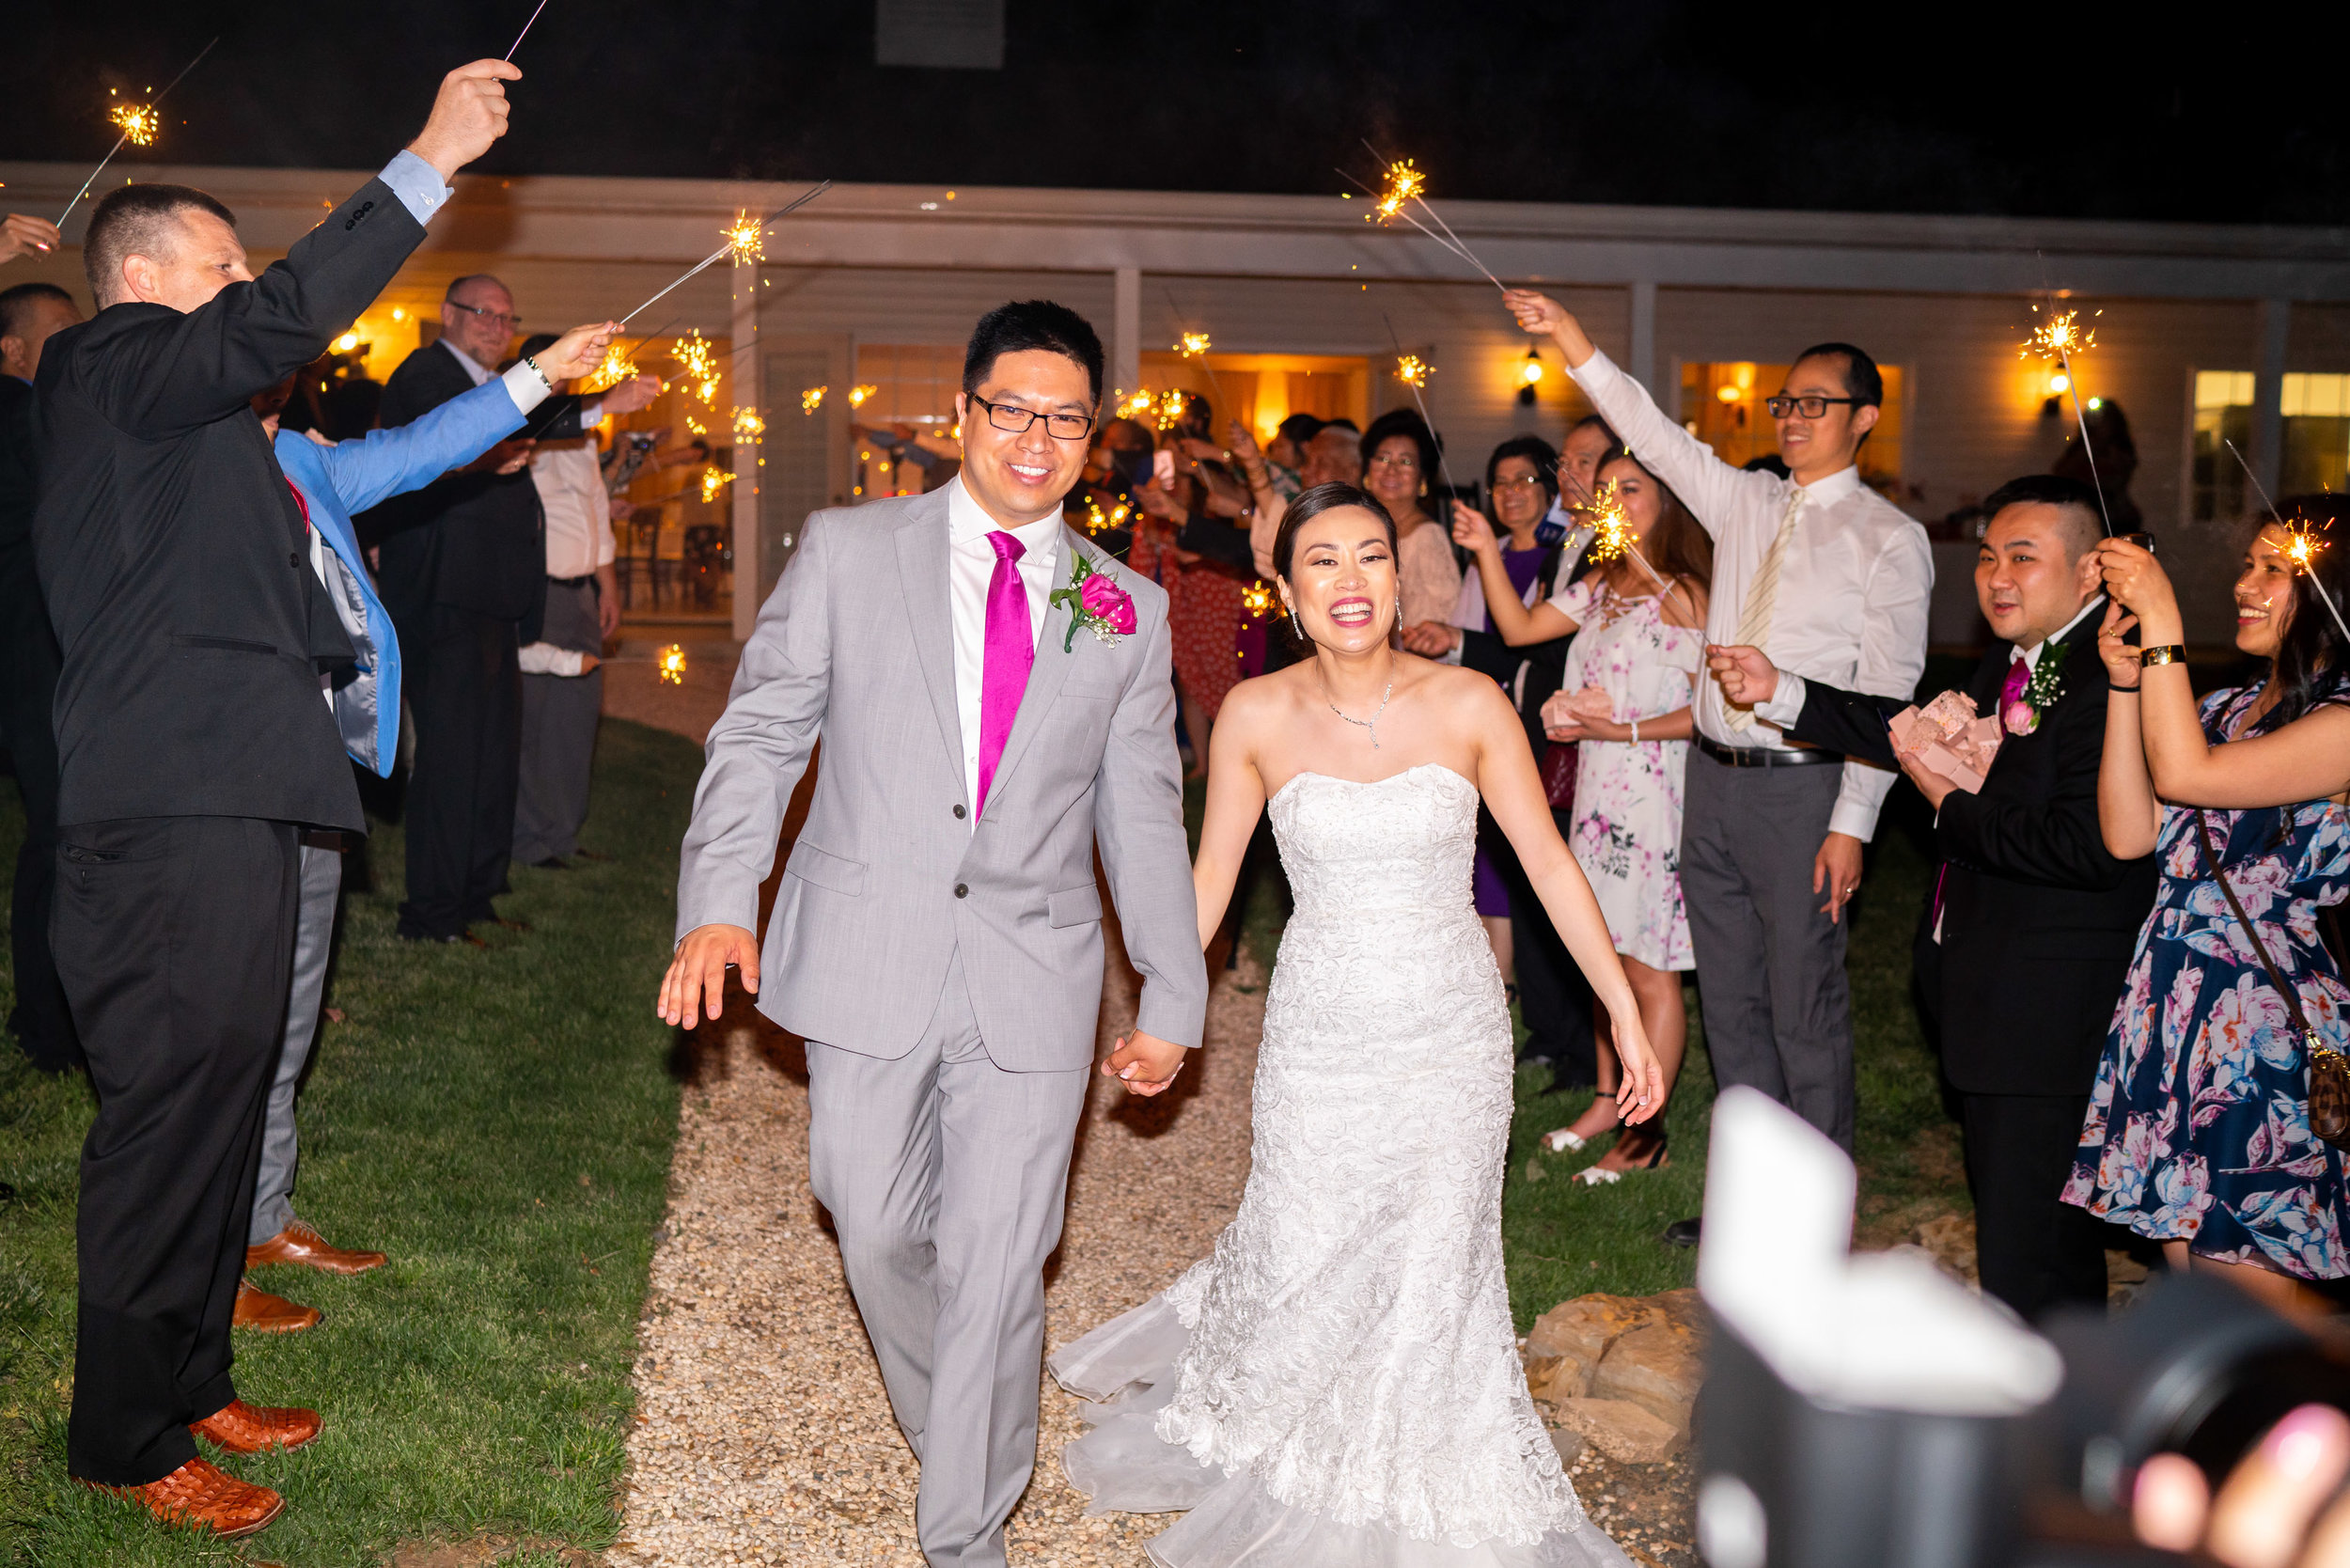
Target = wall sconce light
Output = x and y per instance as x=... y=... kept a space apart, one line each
x=1727 y=392
x=1530 y=375
x=2059 y=382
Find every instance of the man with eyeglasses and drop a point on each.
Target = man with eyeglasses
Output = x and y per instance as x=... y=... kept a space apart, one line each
x=1833 y=581
x=937 y=930
x=462 y=564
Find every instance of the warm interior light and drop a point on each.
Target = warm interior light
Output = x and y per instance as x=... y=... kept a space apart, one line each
x=1532 y=370
x=1726 y=393
x=346 y=342
x=2059 y=384
x=399 y=314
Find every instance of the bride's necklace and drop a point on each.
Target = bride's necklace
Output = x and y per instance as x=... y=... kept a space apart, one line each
x=1371 y=724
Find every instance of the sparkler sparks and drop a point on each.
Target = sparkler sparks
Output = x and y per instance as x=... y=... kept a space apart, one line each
x=1257 y=598
x=1413 y=371
x=1194 y=344
x=813 y=398
x=2059 y=338
x=714 y=482
x=763 y=223
x=859 y=393
x=698 y=363
x=1405 y=186
x=670 y=662
x=1138 y=405
x=2303 y=544
x=1614 y=535
x=748 y=426
x=1171 y=408
x=1099 y=521
x=747 y=239
x=616 y=368
x=138 y=122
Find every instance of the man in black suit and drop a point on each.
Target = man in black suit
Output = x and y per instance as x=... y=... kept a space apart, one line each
x=2028 y=933
x=194 y=745
x=30 y=314
x=464 y=576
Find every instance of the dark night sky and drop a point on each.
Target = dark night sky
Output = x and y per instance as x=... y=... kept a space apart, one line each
x=2231 y=113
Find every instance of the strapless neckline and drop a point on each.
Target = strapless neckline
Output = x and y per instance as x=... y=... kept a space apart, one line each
x=1454 y=774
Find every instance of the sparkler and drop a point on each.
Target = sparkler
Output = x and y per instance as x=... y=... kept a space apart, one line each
x=813 y=398
x=1413 y=371
x=617 y=368
x=1099 y=521
x=748 y=426
x=1613 y=536
x=1138 y=405
x=670 y=662
x=2060 y=339
x=527 y=26
x=1194 y=345
x=1256 y=600
x=1422 y=403
x=714 y=480
x=1406 y=186
x=697 y=362
x=2303 y=546
x=732 y=231
x=860 y=392
x=139 y=123
x=747 y=239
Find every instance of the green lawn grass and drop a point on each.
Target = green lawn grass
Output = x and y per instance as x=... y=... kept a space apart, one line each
x=500 y=1122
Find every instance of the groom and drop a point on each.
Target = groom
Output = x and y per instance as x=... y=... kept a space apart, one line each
x=937 y=933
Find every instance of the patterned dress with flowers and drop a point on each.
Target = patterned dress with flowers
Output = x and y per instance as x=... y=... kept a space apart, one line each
x=1627 y=798
x=2199 y=1126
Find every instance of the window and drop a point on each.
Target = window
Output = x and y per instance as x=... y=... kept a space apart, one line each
x=2223 y=413
x=1263 y=390
x=904 y=387
x=1722 y=404
x=2317 y=434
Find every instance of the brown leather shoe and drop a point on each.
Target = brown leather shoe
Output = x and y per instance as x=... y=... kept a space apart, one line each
x=242 y=1428
x=265 y=1313
x=300 y=1245
x=201 y=1496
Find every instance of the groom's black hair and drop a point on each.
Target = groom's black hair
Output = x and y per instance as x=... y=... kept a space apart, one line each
x=1024 y=326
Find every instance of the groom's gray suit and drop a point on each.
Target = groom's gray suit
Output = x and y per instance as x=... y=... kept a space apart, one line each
x=946 y=974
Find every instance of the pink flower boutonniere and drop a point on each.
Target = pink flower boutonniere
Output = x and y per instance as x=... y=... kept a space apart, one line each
x=1095 y=604
x=2023 y=701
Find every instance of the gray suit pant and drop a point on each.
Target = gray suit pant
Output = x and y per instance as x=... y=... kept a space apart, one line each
x=1770 y=966
x=314 y=937
x=559 y=715
x=945 y=1177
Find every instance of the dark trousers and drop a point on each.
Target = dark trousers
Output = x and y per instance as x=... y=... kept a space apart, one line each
x=465 y=695
x=41 y=1022
x=173 y=935
x=2033 y=1250
x=1554 y=998
x=558 y=743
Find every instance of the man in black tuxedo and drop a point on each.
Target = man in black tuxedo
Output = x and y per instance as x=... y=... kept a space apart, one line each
x=195 y=746
x=464 y=576
x=2028 y=933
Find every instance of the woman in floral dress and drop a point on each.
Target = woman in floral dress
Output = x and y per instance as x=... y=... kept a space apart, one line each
x=2197 y=1134
x=1631 y=670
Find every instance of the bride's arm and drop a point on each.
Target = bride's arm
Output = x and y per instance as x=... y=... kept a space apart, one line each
x=1514 y=793
x=1236 y=796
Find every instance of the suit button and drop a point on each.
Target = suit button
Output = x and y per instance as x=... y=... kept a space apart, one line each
x=958 y=813
x=293 y=559
x=963 y=890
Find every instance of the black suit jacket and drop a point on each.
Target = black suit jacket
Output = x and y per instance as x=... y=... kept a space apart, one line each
x=172 y=553
x=1545 y=662
x=2038 y=919
x=476 y=540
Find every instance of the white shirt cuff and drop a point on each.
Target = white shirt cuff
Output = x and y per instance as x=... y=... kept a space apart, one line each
x=1786 y=702
x=526 y=386
x=1452 y=655
x=417 y=183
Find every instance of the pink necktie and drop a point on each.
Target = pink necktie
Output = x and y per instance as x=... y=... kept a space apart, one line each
x=1010 y=654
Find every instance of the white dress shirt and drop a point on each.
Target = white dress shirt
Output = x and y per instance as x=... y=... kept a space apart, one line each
x=1853 y=591
x=521 y=381
x=579 y=514
x=971 y=566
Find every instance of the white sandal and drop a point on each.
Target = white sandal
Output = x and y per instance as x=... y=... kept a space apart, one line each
x=1597 y=1176
x=1563 y=1140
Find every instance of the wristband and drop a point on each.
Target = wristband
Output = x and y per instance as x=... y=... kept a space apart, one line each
x=1635 y=732
x=2111 y=687
x=2164 y=653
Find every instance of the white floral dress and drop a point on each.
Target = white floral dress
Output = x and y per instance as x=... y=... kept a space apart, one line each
x=1627 y=798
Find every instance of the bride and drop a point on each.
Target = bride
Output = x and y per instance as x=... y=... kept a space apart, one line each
x=1338 y=1385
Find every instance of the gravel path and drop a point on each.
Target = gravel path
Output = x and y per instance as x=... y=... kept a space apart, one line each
x=762 y=1435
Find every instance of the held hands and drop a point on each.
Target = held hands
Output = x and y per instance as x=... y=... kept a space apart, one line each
x=1835 y=871
x=1142 y=1063
x=631 y=394
x=696 y=981
x=1472 y=530
x=578 y=351
x=20 y=235
x=467 y=116
x=2120 y=658
x=1747 y=674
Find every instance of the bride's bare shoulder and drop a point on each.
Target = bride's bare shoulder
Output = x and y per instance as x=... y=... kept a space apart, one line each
x=1264 y=697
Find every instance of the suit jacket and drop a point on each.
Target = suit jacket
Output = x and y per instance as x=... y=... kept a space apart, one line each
x=476 y=541
x=171 y=552
x=889 y=877
x=28 y=649
x=351 y=477
x=1542 y=665
x=2038 y=919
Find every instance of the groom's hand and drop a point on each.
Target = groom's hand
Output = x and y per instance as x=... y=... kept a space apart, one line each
x=696 y=981
x=1144 y=1063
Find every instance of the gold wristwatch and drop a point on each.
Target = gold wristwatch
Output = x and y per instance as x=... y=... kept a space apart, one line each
x=2165 y=653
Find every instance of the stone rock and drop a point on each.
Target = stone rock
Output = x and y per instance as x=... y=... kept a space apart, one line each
x=1568 y=1444
x=1622 y=1430
x=1576 y=1334
x=1950 y=1241
x=1657 y=1366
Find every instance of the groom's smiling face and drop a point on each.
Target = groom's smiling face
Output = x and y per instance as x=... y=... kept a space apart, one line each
x=1018 y=477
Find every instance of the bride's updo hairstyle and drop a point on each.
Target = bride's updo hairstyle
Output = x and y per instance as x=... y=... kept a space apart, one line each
x=1309 y=505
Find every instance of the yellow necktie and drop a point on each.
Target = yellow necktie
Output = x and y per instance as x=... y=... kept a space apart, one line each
x=1754 y=619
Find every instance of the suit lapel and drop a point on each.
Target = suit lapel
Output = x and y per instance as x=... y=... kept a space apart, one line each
x=923 y=552
x=1047 y=675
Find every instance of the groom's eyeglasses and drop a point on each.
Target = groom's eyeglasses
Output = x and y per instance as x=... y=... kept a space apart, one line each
x=1060 y=427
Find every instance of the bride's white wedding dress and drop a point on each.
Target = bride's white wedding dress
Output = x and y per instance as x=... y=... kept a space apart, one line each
x=1338 y=1385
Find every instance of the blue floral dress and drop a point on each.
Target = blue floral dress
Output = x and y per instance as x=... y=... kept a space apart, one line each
x=2199 y=1126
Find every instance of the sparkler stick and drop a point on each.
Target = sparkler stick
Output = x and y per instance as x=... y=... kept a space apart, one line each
x=2060 y=338
x=1406 y=185
x=1407 y=217
x=734 y=239
x=132 y=126
x=527 y=26
x=1442 y=467
x=2306 y=545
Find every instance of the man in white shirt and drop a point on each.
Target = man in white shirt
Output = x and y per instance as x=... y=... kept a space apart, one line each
x=1833 y=582
x=582 y=611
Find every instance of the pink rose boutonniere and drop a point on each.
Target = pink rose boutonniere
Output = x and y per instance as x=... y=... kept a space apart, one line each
x=1095 y=604
x=2026 y=698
